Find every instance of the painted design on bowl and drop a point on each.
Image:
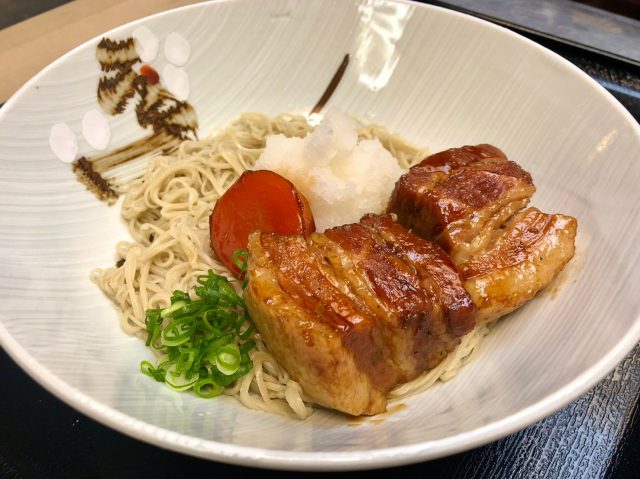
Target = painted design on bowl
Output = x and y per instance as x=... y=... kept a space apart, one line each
x=126 y=81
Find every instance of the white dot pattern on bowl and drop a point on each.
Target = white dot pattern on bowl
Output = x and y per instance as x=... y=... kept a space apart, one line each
x=63 y=142
x=176 y=49
x=147 y=43
x=96 y=130
x=176 y=80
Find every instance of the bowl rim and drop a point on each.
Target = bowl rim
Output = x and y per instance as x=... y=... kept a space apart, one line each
x=334 y=460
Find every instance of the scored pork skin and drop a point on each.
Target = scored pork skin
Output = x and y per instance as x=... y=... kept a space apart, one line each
x=416 y=321
x=357 y=310
x=307 y=340
x=438 y=274
x=453 y=196
x=525 y=258
x=471 y=201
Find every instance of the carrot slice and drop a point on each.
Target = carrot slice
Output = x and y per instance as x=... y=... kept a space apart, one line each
x=258 y=201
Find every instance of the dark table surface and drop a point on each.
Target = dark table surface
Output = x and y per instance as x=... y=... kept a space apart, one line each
x=598 y=435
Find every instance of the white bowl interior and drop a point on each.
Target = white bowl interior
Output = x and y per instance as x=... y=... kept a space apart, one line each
x=440 y=79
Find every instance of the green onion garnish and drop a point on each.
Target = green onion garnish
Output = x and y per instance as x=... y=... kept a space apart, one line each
x=240 y=258
x=228 y=359
x=205 y=341
x=207 y=388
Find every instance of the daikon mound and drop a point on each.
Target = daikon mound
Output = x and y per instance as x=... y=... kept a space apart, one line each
x=341 y=177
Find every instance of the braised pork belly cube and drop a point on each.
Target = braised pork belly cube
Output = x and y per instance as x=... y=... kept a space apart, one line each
x=357 y=310
x=471 y=201
x=455 y=201
x=523 y=258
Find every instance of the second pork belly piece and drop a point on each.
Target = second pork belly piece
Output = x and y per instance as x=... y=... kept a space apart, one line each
x=525 y=256
x=357 y=310
x=456 y=195
x=470 y=200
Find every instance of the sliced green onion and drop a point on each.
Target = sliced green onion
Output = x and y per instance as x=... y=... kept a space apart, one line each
x=185 y=362
x=177 y=380
x=165 y=362
x=247 y=333
x=226 y=380
x=216 y=345
x=188 y=310
x=205 y=341
x=248 y=346
x=153 y=321
x=150 y=370
x=228 y=359
x=179 y=296
x=177 y=333
x=173 y=308
x=240 y=258
x=207 y=388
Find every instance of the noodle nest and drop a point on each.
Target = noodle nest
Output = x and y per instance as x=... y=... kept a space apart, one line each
x=167 y=212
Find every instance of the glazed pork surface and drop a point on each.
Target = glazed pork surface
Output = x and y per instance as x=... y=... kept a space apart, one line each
x=472 y=201
x=357 y=310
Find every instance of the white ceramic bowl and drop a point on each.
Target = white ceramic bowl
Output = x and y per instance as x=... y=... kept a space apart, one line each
x=439 y=78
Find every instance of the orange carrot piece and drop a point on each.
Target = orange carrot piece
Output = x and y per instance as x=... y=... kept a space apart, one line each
x=258 y=201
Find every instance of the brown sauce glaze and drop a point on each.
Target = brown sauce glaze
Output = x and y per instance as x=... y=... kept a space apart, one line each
x=455 y=158
x=378 y=418
x=468 y=184
x=434 y=268
x=304 y=281
x=392 y=279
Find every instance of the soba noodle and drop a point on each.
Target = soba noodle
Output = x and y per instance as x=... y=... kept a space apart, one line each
x=167 y=211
